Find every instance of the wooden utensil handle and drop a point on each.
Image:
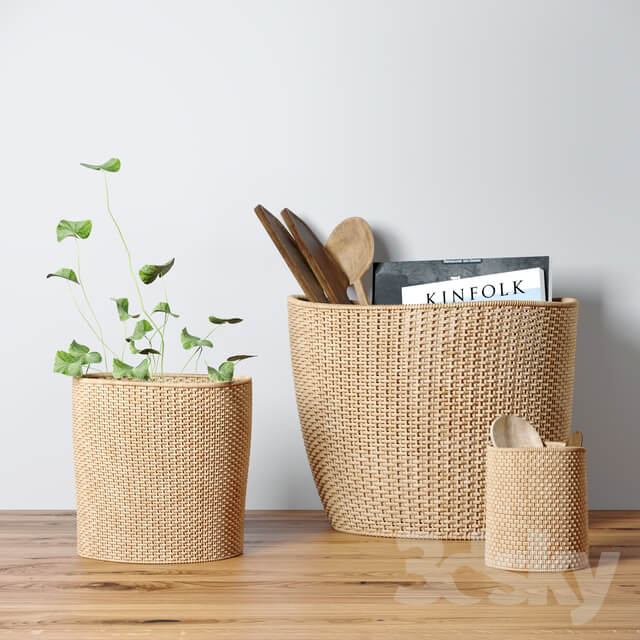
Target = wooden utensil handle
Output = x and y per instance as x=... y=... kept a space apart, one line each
x=360 y=292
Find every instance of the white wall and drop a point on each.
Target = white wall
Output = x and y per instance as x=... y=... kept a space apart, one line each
x=455 y=128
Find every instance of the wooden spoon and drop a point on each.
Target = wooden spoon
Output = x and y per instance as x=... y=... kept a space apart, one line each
x=351 y=246
x=575 y=439
x=513 y=431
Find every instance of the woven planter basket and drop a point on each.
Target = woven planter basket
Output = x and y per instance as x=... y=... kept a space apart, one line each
x=161 y=468
x=537 y=509
x=395 y=403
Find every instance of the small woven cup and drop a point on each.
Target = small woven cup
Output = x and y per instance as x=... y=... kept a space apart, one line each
x=537 y=509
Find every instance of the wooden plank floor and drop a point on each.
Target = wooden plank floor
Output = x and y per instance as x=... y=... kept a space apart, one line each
x=300 y=579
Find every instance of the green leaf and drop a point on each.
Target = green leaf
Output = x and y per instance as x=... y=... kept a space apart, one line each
x=81 y=352
x=149 y=272
x=188 y=341
x=78 y=350
x=142 y=327
x=121 y=369
x=226 y=371
x=75 y=229
x=93 y=357
x=122 y=304
x=124 y=370
x=163 y=307
x=67 y=364
x=67 y=274
x=132 y=346
x=141 y=372
x=215 y=320
x=214 y=374
x=113 y=165
x=145 y=352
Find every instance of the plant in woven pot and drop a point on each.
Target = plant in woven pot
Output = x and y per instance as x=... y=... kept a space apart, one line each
x=161 y=459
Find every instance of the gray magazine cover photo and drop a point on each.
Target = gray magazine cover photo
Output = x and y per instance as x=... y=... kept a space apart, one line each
x=390 y=277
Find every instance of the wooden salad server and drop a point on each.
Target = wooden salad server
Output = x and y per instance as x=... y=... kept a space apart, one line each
x=292 y=256
x=328 y=273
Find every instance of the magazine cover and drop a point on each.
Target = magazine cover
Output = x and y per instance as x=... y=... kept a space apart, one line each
x=390 y=277
x=525 y=284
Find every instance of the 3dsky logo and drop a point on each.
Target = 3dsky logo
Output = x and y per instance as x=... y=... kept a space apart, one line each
x=439 y=572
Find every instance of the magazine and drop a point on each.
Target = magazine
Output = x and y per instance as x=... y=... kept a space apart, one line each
x=525 y=284
x=389 y=278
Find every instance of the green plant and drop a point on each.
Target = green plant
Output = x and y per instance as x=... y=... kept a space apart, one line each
x=148 y=331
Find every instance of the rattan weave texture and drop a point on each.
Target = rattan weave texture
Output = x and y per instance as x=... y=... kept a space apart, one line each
x=161 y=468
x=395 y=403
x=537 y=509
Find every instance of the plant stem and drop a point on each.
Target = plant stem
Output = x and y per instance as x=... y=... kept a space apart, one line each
x=162 y=328
x=198 y=358
x=124 y=341
x=161 y=332
x=194 y=353
x=166 y=317
x=131 y=271
x=95 y=333
x=86 y=298
x=151 y=357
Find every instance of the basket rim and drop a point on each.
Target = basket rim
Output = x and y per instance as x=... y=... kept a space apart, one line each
x=200 y=381
x=535 y=449
x=301 y=300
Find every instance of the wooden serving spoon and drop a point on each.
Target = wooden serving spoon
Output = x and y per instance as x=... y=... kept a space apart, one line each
x=575 y=439
x=512 y=431
x=351 y=246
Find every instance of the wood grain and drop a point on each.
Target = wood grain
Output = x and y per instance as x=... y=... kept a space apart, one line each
x=329 y=274
x=575 y=439
x=289 y=250
x=351 y=245
x=300 y=579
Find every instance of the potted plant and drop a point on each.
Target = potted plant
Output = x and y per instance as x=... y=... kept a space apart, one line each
x=161 y=459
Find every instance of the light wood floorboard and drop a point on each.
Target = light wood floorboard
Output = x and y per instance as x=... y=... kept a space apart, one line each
x=300 y=579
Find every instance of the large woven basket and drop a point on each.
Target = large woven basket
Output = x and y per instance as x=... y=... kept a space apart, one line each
x=161 y=468
x=395 y=403
x=537 y=509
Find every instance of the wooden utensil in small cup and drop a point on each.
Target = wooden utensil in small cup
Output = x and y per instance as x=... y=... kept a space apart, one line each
x=575 y=439
x=329 y=274
x=513 y=431
x=351 y=246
